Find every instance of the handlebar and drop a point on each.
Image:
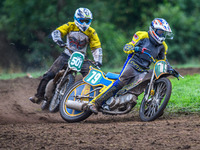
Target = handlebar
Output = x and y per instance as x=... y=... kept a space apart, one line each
x=176 y=74
x=150 y=57
x=71 y=51
x=93 y=63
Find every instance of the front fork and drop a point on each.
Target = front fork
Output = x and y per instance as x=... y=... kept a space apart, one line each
x=151 y=83
x=59 y=85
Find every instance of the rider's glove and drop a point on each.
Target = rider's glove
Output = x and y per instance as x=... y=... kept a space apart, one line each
x=173 y=72
x=140 y=50
x=60 y=43
x=98 y=64
x=128 y=48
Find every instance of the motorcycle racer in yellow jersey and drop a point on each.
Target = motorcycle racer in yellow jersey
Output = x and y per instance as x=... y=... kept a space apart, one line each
x=79 y=35
x=153 y=42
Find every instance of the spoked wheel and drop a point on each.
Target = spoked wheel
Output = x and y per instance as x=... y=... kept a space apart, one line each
x=82 y=92
x=55 y=101
x=154 y=106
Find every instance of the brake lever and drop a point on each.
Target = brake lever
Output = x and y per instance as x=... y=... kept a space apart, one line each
x=181 y=76
x=93 y=63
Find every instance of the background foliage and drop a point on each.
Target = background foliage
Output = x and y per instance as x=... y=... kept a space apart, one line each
x=25 y=26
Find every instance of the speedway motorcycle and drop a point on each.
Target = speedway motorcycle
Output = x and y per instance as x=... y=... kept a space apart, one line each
x=154 y=83
x=56 y=87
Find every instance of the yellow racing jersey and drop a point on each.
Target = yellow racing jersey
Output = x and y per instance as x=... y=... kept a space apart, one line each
x=78 y=40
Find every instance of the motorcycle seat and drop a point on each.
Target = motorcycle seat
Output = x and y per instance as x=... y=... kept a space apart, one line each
x=112 y=75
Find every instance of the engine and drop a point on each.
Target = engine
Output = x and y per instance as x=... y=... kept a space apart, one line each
x=120 y=103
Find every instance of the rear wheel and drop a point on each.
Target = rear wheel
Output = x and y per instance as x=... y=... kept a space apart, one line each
x=57 y=97
x=78 y=89
x=154 y=106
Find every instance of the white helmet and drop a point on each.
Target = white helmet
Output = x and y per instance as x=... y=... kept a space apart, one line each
x=160 y=30
x=83 y=18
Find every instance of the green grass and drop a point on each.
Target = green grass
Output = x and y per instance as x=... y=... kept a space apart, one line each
x=185 y=97
x=185 y=94
x=7 y=76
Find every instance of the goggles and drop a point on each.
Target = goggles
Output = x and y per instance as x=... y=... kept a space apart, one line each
x=165 y=34
x=83 y=20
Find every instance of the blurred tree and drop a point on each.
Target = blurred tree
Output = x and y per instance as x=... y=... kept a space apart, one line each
x=27 y=25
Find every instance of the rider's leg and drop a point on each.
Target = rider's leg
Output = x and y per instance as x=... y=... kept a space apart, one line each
x=116 y=86
x=110 y=91
x=85 y=68
x=125 y=76
x=59 y=63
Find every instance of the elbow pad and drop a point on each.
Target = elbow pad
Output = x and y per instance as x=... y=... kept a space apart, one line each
x=56 y=35
x=128 y=48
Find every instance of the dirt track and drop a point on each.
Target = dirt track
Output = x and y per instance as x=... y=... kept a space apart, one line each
x=24 y=126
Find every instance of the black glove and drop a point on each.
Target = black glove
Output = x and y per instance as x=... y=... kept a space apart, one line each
x=173 y=72
x=61 y=43
x=98 y=64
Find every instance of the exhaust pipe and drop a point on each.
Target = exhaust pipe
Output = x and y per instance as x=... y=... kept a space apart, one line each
x=81 y=106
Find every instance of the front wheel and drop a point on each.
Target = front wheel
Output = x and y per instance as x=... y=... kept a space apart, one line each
x=55 y=101
x=154 y=106
x=79 y=91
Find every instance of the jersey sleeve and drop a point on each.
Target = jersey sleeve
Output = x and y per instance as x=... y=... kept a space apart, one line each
x=166 y=50
x=64 y=29
x=94 y=39
x=129 y=47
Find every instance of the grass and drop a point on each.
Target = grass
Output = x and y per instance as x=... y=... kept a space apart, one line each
x=185 y=97
x=185 y=94
x=7 y=76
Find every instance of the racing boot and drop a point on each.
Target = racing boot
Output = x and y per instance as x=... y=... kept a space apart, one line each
x=36 y=99
x=105 y=95
x=39 y=96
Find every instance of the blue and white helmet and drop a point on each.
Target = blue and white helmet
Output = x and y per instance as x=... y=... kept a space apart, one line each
x=83 y=18
x=160 y=30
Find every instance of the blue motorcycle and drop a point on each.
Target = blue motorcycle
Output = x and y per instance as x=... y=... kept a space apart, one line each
x=154 y=83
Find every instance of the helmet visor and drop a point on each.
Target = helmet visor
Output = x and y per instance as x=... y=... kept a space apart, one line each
x=84 y=20
x=165 y=34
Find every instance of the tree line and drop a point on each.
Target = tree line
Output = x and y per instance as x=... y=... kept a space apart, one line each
x=25 y=26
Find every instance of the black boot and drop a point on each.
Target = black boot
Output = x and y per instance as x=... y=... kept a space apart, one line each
x=36 y=99
x=117 y=85
x=39 y=96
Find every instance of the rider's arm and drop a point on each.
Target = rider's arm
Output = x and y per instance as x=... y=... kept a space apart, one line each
x=95 y=46
x=64 y=29
x=56 y=35
x=97 y=55
x=59 y=33
x=129 y=47
x=163 y=53
x=163 y=56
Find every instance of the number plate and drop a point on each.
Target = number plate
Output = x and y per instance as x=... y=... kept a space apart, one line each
x=160 y=68
x=93 y=77
x=76 y=61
